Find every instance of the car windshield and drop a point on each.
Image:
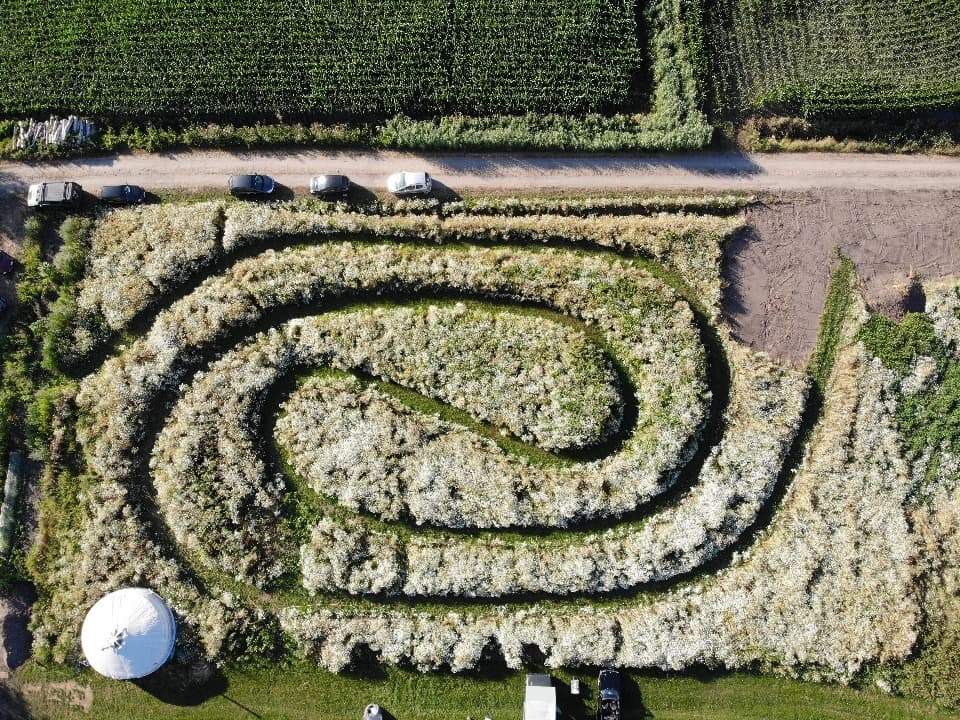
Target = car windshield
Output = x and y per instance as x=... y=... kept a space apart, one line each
x=257 y=182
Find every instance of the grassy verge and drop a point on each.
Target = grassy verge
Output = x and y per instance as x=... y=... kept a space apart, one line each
x=839 y=296
x=796 y=134
x=299 y=691
x=532 y=131
x=33 y=386
x=930 y=422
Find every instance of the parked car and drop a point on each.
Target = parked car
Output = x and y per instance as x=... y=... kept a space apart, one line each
x=7 y=263
x=609 y=704
x=330 y=185
x=410 y=183
x=122 y=194
x=54 y=193
x=3 y=305
x=251 y=185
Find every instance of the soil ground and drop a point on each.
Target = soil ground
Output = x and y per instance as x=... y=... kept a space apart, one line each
x=778 y=271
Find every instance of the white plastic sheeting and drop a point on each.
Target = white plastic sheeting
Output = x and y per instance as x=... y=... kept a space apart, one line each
x=128 y=634
x=55 y=131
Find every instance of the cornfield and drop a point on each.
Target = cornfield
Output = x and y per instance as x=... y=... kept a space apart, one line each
x=371 y=58
x=835 y=56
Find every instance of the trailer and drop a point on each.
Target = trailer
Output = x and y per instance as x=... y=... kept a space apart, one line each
x=540 y=698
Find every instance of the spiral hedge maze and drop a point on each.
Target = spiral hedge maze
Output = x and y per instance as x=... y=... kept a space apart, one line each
x=436 y=435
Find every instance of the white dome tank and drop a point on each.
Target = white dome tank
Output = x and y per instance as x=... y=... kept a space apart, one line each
x=128 y=634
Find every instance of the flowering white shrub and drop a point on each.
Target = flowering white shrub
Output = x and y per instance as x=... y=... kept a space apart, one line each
x=208 y=442
x=518 y=372
x=828 y=587
x=735 y=482
x=208 y=471
x=689 y=244
x=663 y=355
x=943 y=307
x=139 y=253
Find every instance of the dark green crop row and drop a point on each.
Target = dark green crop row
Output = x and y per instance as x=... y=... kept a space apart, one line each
x=834 y=57
x=173 y=59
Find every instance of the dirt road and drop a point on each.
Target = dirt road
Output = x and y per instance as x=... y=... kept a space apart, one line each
x=586 y=173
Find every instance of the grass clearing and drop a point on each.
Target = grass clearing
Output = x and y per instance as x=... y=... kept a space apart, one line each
x=296 y=691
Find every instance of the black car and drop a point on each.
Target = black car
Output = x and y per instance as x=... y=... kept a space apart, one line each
x=6 y=263
x=122 y=194
x=329 y=185
x=251 y=185
x=608 y=708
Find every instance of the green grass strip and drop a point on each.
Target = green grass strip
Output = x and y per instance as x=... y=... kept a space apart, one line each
x=298 y=690
x=839 y=297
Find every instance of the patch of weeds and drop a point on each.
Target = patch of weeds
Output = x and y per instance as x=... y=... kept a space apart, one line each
x=839 y=297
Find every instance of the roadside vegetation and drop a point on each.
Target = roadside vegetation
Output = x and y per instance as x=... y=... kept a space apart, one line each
x=599 y=76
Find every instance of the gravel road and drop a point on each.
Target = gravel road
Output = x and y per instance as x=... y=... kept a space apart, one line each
x=588 y=173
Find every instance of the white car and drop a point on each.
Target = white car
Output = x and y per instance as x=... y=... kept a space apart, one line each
x=410 y=183
x=53 y=193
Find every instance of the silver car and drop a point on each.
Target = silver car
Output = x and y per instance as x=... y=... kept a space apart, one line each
x=410 y=183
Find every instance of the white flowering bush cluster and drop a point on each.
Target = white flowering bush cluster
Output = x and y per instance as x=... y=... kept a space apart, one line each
x=688 y=244
x=733 y=485
x=518 y=372
x=205 y=450
x=829 y=586
x=943 y=307
x=262 y=457
x=139 y=253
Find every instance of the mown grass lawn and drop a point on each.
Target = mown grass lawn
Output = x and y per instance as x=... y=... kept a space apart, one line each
x=302 y=692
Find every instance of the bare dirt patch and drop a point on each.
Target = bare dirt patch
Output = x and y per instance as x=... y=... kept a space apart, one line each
x=778 y=271
x=70 y=693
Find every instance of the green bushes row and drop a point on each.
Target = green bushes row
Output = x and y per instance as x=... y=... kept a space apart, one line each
x=44 y=292
x=590 y=133
x=874 y=134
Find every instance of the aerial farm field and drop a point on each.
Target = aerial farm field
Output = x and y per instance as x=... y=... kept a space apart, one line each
x=468 y=438
x=834 y=56
x=600 y=75
x=562 y=415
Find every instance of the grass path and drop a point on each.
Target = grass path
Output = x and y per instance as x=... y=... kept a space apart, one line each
x=301 y=692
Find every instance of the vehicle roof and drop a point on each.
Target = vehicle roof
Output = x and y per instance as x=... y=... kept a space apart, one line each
x=609 y=679
x=414 y=178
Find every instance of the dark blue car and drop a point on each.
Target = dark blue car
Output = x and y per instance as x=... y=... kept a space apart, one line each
x=251 y=185
x=6 y=263
x=122 y=194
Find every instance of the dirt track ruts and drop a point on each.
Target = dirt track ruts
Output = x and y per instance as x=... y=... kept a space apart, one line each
x=587 y=173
